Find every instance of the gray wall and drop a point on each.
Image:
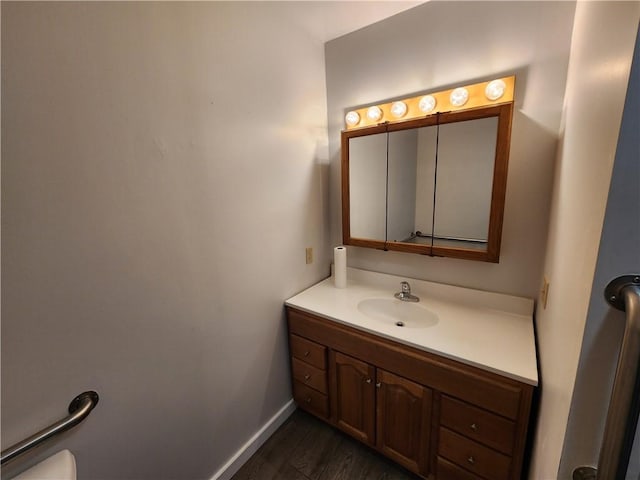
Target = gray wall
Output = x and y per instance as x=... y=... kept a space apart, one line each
x=441 y=44
x=604 y=35
x=164 y=167
x=619 y=254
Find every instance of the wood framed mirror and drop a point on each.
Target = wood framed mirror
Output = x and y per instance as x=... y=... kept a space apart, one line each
x=434 y=185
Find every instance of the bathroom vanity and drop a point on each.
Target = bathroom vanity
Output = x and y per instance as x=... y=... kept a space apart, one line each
x=448 y=398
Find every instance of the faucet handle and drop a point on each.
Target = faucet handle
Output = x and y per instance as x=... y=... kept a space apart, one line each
x=405 y=293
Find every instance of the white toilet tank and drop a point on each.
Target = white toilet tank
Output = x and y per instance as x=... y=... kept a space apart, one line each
x=61 y=466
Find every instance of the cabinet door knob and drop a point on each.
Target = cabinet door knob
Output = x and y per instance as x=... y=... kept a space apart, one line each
x=308 y=400
x=306 y=354
x=368 y=380
x=473 y=427
x=471 y=460
x=378 y=385
x=307 y=377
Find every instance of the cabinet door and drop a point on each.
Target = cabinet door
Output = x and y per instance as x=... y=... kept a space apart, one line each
x=353 y=396
x=404 y=421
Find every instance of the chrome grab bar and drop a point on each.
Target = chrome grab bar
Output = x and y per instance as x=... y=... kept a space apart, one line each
x=79 y=409
x=624 y=294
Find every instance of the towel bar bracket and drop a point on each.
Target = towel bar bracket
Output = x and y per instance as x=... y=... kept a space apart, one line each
x=78 y=402
x=584 y=473
x=613 y=291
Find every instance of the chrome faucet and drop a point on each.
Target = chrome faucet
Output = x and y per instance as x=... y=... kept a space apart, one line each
x=405 y=293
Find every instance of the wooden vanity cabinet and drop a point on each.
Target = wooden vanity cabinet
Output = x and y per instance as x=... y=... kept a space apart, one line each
x=403 y=421
x=439 y=418
x=386 y=411
x=309 y=373
x=353 y=396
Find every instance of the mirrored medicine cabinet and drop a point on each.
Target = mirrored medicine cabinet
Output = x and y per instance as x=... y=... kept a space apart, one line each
x=433 y=185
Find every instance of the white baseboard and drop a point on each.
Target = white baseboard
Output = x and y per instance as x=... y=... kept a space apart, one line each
x=230 y=468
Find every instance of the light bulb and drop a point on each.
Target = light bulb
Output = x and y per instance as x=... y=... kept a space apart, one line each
x=495 y=89
x=398 y=109
x=427 y=103
x=352 y=118
x=374 y=113
x=459 y=97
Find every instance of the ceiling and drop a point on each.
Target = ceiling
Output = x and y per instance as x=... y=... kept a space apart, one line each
x=326 y=20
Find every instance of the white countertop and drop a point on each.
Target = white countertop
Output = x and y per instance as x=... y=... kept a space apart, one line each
x=488 y=330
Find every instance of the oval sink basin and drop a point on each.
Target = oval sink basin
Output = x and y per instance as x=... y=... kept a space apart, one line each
x=391 y=311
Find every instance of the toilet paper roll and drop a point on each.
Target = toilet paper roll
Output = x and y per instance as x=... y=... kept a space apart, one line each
x=340 y=267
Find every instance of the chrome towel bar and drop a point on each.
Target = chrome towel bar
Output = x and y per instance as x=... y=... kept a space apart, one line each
x=79 y=409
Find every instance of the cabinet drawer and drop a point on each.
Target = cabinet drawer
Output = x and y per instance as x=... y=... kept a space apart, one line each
x=477 y=424
x=446 y=470
x=309 y=375
x=311 y=400
x=309 y=352
x=473 y=456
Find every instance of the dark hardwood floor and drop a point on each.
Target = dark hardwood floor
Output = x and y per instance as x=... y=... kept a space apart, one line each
x=304 y=448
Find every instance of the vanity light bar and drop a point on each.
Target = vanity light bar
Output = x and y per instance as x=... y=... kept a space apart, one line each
x=477 y=95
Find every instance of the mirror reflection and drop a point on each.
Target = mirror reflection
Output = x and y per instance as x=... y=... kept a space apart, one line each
x=462 y=183
x=368 y=194
x=430 y=186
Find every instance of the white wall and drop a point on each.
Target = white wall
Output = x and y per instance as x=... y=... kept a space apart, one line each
x=465 y=178
x=601 y=54
x=425 y=175
x=164 y=167
x=441 y=44
x=402 y=184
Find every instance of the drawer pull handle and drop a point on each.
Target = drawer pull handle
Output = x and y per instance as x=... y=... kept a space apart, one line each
x=307 y=376
x=308 y=400
x=306 y=353
x=474 y=427
x=471 y=460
